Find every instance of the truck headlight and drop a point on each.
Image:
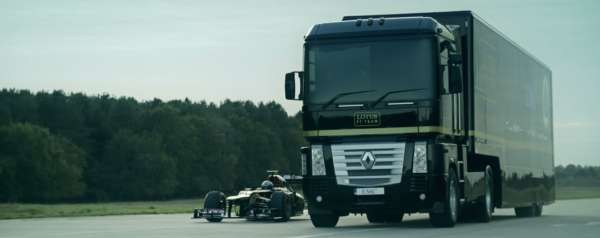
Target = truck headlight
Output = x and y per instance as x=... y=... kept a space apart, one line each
x=317 y=160
x=420 y=157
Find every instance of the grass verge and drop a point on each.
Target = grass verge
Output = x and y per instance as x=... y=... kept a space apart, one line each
x=571 y=192
x=23 y=210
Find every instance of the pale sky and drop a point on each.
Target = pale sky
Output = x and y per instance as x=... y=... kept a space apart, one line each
x=213 y=50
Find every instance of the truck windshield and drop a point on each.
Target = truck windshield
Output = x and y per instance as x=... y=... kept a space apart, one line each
x=376 y=67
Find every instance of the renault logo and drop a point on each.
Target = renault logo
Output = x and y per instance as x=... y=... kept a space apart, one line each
x=368 y=160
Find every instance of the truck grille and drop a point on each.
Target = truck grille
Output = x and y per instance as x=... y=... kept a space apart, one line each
x=387 y=169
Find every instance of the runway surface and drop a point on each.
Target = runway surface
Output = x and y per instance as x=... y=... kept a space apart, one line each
x=571 y=218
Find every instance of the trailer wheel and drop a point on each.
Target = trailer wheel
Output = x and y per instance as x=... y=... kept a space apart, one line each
x=324 y=220
x=524 y=211
x=448 y=217
x=280 y=202
x=534 y=210
x=538 y=210
x=214 y=200
x=485 y=207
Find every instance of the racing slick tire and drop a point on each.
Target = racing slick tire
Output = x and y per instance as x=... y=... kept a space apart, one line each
x=281 y=203
x=214 y=200
x=449 y=215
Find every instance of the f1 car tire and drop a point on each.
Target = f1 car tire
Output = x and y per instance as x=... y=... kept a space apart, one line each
x=280 y=202
x=214 y=200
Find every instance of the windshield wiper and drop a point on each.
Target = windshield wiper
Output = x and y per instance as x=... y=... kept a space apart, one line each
x=344 y=94
x=393 y=92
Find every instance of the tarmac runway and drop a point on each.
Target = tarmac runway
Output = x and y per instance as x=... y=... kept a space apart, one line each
x=570 y=218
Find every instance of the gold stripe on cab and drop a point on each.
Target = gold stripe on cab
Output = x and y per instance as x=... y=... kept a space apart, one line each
x=377 y=131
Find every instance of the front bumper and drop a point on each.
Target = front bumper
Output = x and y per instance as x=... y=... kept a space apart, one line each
x=415 y=193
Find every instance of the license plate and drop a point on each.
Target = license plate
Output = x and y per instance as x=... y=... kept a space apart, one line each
x=369 y=191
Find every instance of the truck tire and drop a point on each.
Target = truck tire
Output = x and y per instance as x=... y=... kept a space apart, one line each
x=214 y=200
x=375 y=217
x=448 y=217
x=394 y=218
x=324 y=220
x=485 y=206
x=381 y=217
x=280 y=202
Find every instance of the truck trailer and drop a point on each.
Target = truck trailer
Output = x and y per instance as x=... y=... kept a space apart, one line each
x=435 y=113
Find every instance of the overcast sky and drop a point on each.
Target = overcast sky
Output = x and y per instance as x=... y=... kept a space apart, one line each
x=213 y=50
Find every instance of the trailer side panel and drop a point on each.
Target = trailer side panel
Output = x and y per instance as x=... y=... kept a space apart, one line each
x=513 y=116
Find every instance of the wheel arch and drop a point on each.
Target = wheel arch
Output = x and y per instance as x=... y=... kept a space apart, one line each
x=478 y=163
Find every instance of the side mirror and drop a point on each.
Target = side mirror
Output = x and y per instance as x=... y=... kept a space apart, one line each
x=290 y=85
x=454 y=66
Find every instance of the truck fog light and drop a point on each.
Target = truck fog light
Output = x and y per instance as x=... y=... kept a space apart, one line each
x=420 y=157
x=317 y=160
x=422 y=196
x=319 y=198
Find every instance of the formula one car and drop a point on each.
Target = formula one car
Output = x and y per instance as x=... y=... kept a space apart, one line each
x=275 y=199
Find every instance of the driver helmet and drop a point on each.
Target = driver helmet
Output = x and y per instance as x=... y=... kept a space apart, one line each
x=266 y=185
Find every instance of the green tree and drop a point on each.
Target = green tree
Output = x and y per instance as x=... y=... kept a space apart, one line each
x=135 y=166
x=38 y=166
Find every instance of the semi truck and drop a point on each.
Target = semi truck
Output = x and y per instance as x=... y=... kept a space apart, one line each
x=435 y=113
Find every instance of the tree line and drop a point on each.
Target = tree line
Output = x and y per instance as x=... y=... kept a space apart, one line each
x=57 y=147
x=577 y=175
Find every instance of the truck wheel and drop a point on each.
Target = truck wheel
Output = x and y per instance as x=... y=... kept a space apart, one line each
x=485 y=207
x=324 y=220
x=375 y=217
x=394 y=217
x=450 y=210
x=280 y=202
x=214 y=200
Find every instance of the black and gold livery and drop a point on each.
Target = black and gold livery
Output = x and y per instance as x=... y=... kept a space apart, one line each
x=424 y=112
x=274 y=199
